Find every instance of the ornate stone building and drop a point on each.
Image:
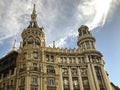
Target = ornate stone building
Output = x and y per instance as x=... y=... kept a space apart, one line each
x=37 y=67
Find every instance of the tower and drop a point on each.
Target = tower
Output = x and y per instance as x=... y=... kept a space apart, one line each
x=33 y=36
x=30 y=56
x=85 y=39
x=95 y=63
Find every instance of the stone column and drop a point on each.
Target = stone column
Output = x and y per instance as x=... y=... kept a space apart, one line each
x=90 y=76
x=106 y=80
x=70 y=79
x=80 y=79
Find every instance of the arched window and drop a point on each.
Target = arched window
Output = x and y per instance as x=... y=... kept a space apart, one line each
x=37 y=41
x=30 y=40
x=35 y=55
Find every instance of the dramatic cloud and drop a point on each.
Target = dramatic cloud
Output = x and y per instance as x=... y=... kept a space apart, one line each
x=60 y=18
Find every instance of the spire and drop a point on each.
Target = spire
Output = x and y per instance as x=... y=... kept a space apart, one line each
x=34 y=15
x=33 y=22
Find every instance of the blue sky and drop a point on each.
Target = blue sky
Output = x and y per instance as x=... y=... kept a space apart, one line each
x=64 y=17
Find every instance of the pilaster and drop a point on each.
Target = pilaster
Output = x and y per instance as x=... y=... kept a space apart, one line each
x=70 y=79
x=90 y=76
x=95 y=77
x=61 y=79
x=80 y=79
x=106 y=80
x=27 y=82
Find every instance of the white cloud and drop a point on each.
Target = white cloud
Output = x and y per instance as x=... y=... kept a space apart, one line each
x=95 y=12
x=60 y=18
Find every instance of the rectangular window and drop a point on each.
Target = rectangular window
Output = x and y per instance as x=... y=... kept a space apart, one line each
x=47 y=57
x=34 y=88
x=50 y=69
x=99 y=77
x=87 y=44
x=66 y=82
x=34 y=64
x=35 y=67
x=75 y=82
x=22 y=81
x=51 y=82
x=85 y=83
x=50 y=58
x=34 y=80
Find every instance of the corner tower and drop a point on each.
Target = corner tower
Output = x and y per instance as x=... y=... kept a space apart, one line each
x=85 y=39
x=33 y=35
x=30 y=58
x=97 y=75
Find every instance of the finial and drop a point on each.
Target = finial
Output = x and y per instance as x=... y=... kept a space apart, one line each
x=14 y=45
x=54 y=44
x=34 y=15
x=34 y=9
x=33 y=22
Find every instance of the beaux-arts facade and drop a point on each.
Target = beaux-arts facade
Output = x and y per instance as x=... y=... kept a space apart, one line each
x=37 y=67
